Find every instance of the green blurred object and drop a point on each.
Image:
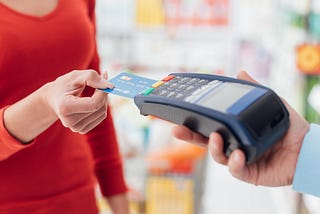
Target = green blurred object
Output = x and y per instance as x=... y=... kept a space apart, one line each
x=310 y=113
x=295 y=19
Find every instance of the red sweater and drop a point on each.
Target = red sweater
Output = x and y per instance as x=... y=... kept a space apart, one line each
x=56 y=173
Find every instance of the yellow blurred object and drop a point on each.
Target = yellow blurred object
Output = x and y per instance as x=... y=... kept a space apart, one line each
x=104 y=208
x=149 y=13
x=169 y=195
x=308 y=58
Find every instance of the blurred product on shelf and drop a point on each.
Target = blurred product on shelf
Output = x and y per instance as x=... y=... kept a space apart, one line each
x=197 y=13
x=308 y=59
x=182 y=13
x=138 y=35
x=295 y=18
x=175 y=158
x=314 y=24
x=175 y=179
x=170 y=195
x=314 y=19
x=150 y=13
x=308 y=62
x=253 y=57
x=164 y=175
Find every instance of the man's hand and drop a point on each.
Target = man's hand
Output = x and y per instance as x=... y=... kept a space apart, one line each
x=275 y=168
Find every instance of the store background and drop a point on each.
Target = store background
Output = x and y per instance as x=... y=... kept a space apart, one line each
x=276 y=41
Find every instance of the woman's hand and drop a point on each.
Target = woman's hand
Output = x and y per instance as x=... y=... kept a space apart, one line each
x=60 y=99
x=275 y=168
x=80 y=114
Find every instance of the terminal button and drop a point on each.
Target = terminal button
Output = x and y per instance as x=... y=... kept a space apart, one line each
x=167 y=78
x=157 y=84
x=148 y=91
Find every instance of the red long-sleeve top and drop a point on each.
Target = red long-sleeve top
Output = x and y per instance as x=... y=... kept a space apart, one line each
x=56 y=173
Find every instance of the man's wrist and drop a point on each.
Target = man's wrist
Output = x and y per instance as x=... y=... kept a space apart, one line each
x=306 y=176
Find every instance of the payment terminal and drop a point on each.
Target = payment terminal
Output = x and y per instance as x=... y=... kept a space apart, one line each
x=247 y=115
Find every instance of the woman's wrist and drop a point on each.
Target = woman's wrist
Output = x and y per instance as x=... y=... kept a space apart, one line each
x=30 y=116
x=44 y=96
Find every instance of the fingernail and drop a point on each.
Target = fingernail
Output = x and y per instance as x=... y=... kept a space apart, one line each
x=110 y=85
x=107 y=83
x=236 y=157
x=105 y=75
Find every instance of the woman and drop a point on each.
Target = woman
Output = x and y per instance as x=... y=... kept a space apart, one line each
x=48 y=64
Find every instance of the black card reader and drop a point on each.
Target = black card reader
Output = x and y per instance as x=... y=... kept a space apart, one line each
x=247 y=115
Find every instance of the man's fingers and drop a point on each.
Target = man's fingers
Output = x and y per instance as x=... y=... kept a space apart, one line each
x=237 y=165
x=185 y=134
x=182 y=133
x=216 y=148
x=245 y=76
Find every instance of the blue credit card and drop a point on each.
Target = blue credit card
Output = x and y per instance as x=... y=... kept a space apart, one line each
x=129 y=85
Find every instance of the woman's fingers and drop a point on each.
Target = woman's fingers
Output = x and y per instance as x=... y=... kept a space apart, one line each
x=90 y=78
x=79 y=113
x=77 y=122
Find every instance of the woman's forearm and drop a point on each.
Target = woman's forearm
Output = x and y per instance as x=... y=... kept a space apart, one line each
x=60 y=99
x=29 y=117
x=119 y=204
